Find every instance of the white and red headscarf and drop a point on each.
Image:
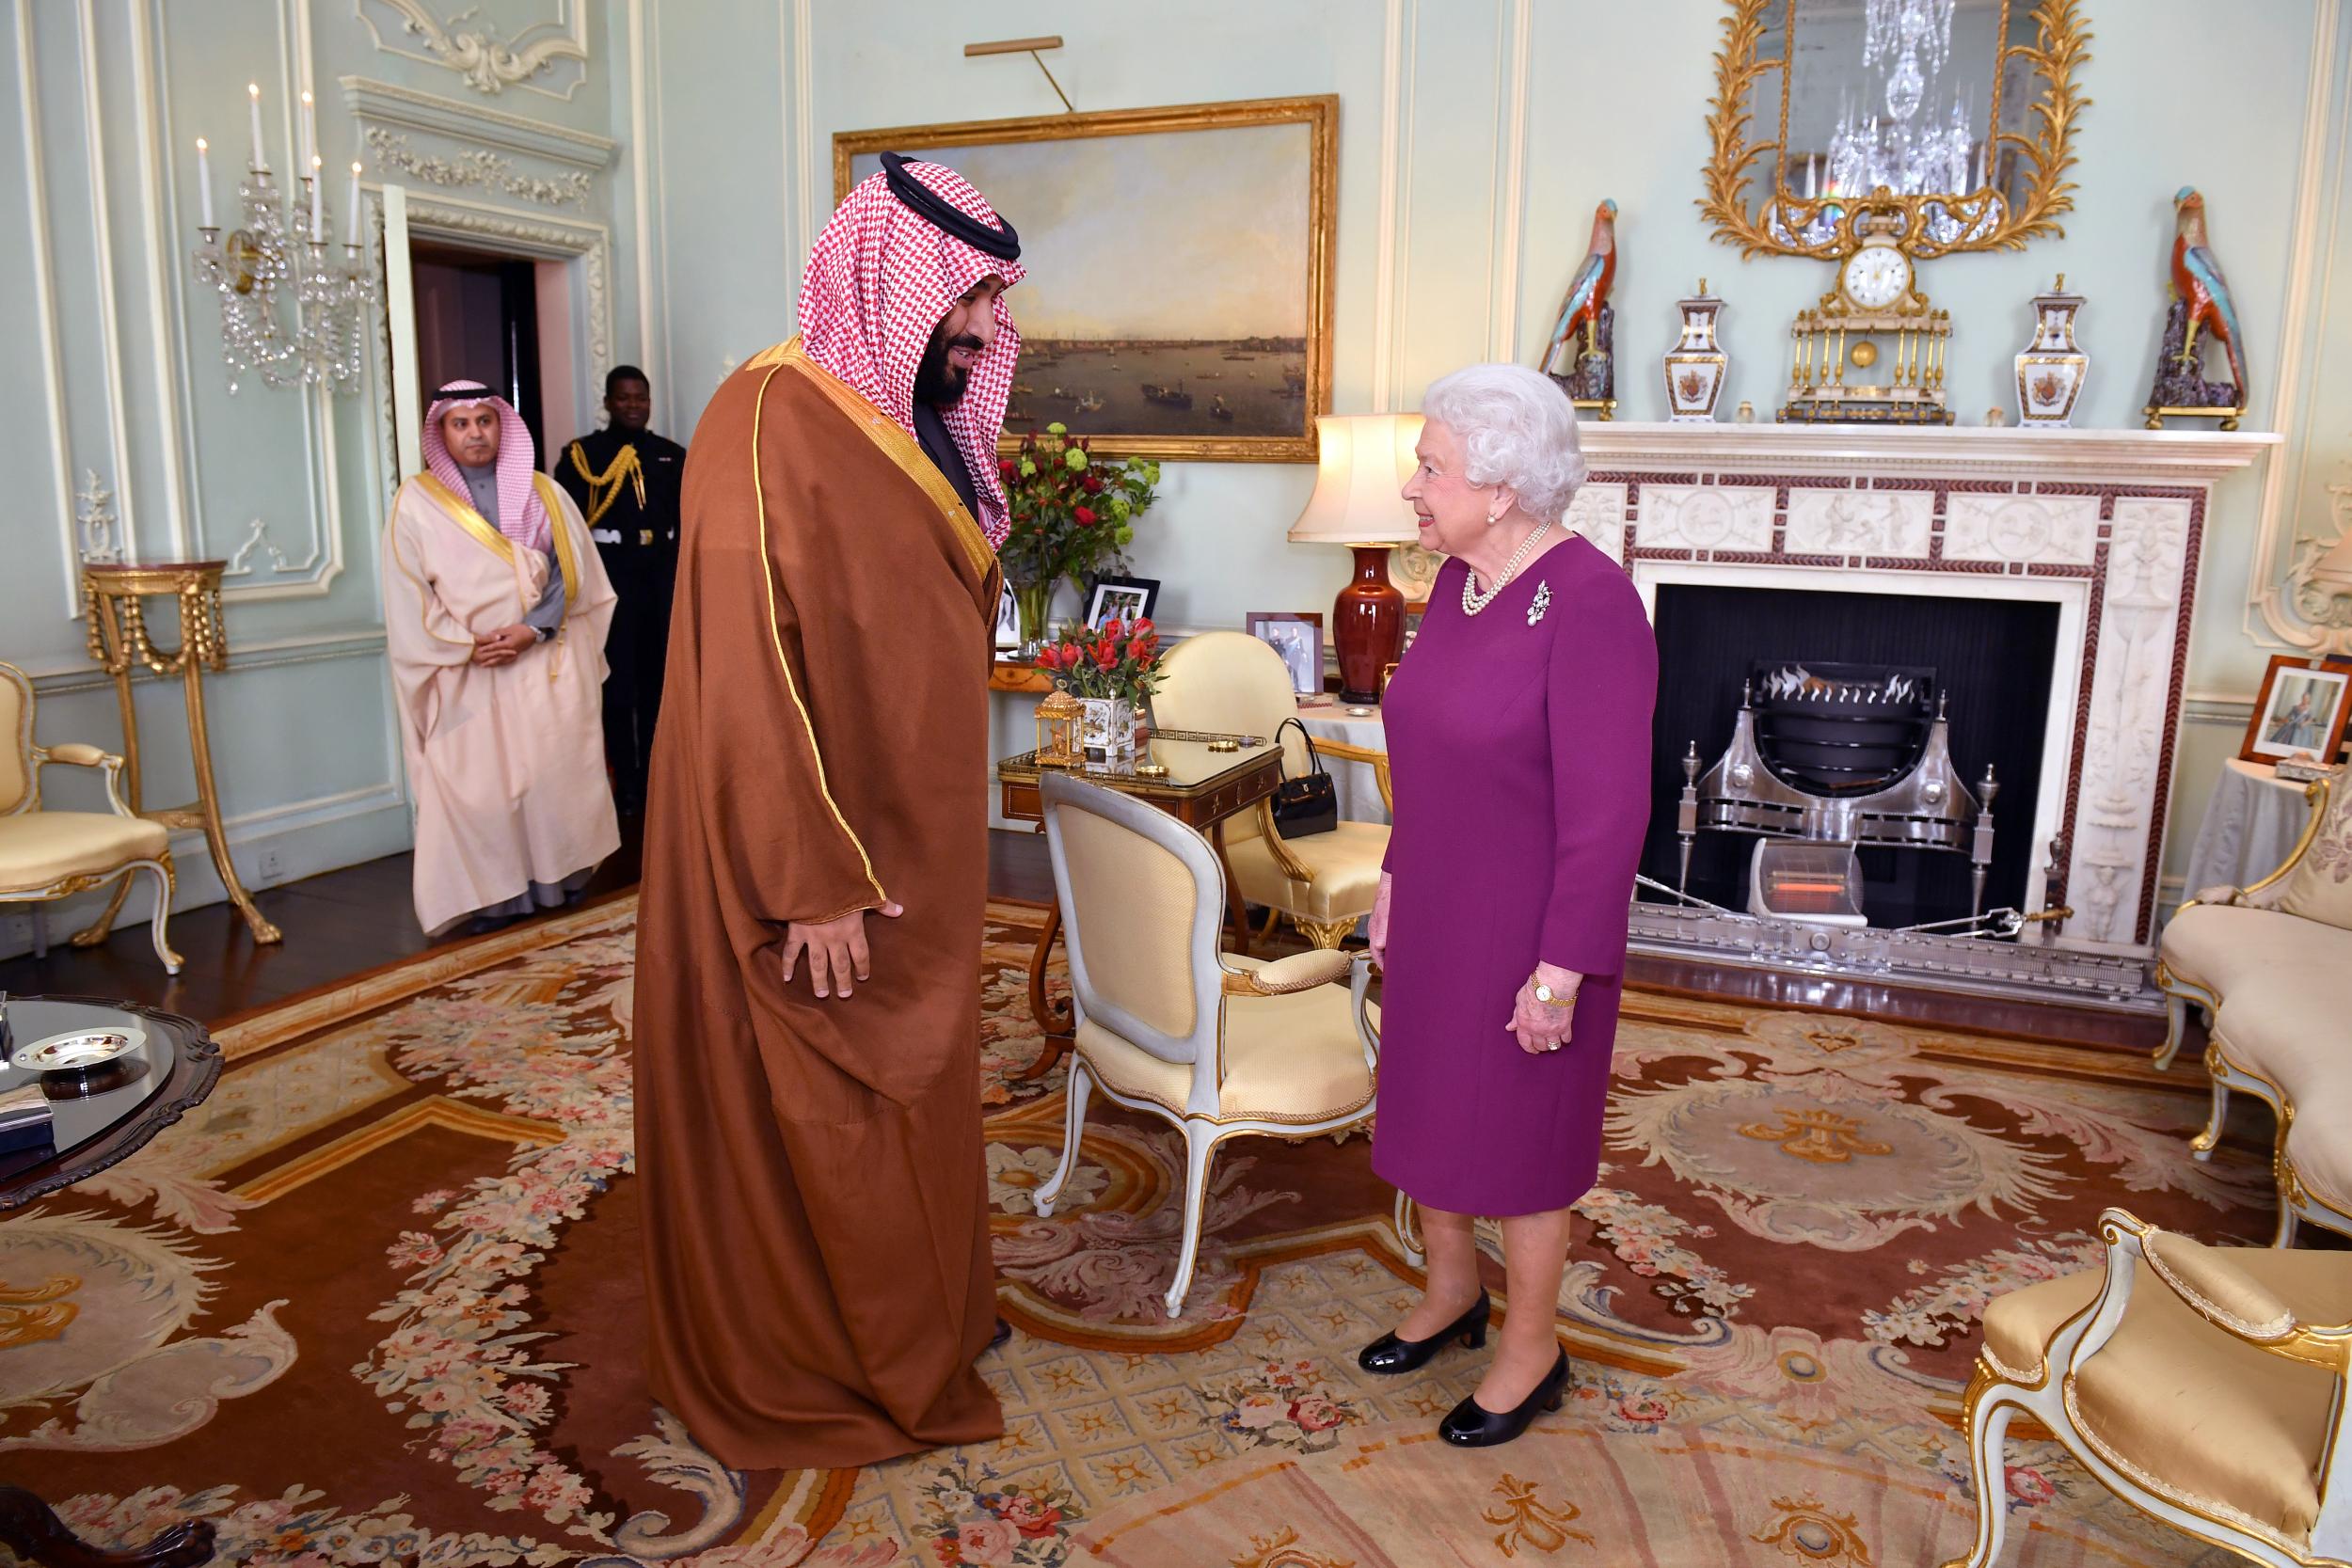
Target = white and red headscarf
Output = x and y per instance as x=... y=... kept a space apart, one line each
x=522 y=516
x=880 y=281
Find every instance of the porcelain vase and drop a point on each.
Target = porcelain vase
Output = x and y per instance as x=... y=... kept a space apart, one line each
x=1107 y=729
x=2050 y=372
x=1696 y=365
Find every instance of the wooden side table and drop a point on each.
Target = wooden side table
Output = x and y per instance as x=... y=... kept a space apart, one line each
x=1202 y=789
x=118 y=640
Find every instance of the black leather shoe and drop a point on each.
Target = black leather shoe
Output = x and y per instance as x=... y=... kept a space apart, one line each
x=1471 y=1425
x=1390 y=1355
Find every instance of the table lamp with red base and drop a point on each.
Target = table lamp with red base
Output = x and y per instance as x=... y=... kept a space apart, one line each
x=1364 y=461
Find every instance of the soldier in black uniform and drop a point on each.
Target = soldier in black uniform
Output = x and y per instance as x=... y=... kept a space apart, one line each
x=626 y=480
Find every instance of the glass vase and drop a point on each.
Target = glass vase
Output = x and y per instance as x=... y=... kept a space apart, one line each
x=1032 y=602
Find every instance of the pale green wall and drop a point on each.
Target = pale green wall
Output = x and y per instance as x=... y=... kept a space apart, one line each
x=1614 y=103
x=724 y=113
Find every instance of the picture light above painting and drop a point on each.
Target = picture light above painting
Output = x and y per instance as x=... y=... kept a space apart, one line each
x=1178 y=302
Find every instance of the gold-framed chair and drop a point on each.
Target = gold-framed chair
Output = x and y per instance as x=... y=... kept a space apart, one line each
x=54 y=854
x=2203 y=1386
x=2265 y=965
x=1231 y=682
x=1219 y=1046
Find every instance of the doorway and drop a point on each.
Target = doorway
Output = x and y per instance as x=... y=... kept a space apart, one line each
x=478 y=320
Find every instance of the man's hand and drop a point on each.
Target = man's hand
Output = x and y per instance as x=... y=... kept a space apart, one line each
x=838 y=956
x=502 y=646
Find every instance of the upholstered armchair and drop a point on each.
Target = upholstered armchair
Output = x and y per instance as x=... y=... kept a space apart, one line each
x=2203 y=1386
x=54 y=854
x=1221 y=1047
x=1324 y=883
x=2270 y=967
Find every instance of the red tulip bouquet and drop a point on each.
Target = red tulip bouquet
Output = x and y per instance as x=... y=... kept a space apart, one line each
x=1119 y=660
x=1071 y=516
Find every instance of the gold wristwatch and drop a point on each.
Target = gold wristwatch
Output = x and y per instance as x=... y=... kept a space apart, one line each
x=1550 y=998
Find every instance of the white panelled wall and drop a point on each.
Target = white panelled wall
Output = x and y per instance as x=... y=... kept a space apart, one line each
x=118 y=400
x=675 y=160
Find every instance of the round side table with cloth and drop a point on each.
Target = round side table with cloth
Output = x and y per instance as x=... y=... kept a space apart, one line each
x=2250 y=825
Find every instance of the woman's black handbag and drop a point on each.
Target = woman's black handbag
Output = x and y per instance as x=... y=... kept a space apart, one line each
x=1309 y=805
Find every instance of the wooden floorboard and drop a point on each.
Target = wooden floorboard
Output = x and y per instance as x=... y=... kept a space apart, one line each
x=361 y=917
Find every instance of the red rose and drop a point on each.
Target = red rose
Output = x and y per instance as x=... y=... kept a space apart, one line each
x=1107 y=657
x=1006 y=467
x=1089 y=484
x=1110 y=629
x=1139 y=650
x=1085 y=516
x=1143 y=627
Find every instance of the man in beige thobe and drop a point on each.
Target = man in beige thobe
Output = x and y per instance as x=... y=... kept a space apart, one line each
x=495 y=612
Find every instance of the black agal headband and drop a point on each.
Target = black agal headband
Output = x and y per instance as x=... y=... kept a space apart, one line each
x=936 y=210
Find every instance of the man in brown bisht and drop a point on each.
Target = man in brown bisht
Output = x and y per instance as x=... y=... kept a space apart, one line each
x=815 y=857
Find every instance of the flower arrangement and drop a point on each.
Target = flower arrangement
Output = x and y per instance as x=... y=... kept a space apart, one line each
x=1072 y=517
x=1119 y=660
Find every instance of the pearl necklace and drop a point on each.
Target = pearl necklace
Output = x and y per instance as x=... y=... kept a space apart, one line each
x=1474 y=601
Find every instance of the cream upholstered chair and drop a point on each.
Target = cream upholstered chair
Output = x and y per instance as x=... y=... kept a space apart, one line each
x=2204 y=1386
x=56 y=854
x=1166 y=1024
x=1324 y=883
x=2270 y=967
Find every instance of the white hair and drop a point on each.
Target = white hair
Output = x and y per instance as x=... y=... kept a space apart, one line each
x=1516 y=428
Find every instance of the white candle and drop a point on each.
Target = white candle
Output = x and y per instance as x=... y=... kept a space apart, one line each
x=1812 y=175
x=351 y=230
x=204 y=180
x=253 y=103
x=310 y=134
x=318 y=201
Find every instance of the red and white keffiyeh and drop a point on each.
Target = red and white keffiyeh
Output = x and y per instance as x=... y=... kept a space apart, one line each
x=879 y=282
x=522 y=516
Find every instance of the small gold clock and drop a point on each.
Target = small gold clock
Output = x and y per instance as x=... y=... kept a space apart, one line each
x=1877 y=301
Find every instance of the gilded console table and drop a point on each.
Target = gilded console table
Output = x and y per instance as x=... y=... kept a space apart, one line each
x=112 y=597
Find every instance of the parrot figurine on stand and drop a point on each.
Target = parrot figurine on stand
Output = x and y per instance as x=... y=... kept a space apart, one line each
x=2200 y=302
x=1581 y=354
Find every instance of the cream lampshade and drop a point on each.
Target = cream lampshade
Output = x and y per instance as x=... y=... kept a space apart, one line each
x=1364 y=459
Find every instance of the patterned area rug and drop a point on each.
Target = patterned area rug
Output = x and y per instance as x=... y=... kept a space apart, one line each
x=378 y=1301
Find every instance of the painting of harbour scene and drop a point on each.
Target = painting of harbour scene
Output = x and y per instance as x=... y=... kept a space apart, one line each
x=1177 y=295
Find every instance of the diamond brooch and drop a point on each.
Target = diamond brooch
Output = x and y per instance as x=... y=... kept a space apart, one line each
x=1543 y=602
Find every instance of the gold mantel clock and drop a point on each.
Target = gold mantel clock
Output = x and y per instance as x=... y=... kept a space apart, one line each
x=1878 y=326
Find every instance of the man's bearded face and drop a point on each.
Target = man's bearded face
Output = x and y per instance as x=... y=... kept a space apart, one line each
x=471 y=431
x=957 y=344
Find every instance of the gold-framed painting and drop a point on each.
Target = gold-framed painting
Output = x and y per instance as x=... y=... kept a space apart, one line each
x=1178 y=302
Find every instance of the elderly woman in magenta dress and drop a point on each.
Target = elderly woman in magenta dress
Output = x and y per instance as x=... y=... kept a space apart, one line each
x=1520 y=741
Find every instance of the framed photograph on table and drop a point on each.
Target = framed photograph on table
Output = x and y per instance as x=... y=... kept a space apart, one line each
x=1297 y=636
x=2301 y=710
x=1129 y=599
x=1122 y=213
x=1008 y=621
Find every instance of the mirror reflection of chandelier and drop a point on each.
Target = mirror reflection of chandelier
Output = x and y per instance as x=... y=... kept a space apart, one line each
x=281 y=243
x=1892 y=144
x=1910 y=39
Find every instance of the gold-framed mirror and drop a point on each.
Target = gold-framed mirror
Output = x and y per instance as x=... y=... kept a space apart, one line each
x=1962 y=110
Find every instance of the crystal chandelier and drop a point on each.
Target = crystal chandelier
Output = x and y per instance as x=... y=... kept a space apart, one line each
x=281 y=245
x=1910 y=40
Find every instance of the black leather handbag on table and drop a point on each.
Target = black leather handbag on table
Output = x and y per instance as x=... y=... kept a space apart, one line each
x=1308 y=804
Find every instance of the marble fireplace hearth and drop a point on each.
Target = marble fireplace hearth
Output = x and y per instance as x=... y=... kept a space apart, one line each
x=2106 y=526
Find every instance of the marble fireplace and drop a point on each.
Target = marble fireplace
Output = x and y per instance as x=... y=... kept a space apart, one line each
x=2104 y=527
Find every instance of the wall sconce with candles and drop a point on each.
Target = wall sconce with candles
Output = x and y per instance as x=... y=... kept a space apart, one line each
x=1363 y=461
x=285 y=243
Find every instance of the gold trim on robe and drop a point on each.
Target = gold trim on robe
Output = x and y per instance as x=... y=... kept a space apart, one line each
x=462 y=513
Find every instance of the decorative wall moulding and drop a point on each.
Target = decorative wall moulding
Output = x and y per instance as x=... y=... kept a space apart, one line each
x=480 y=168
x=2141 y=456
x=550 y=57
x=400 y=108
